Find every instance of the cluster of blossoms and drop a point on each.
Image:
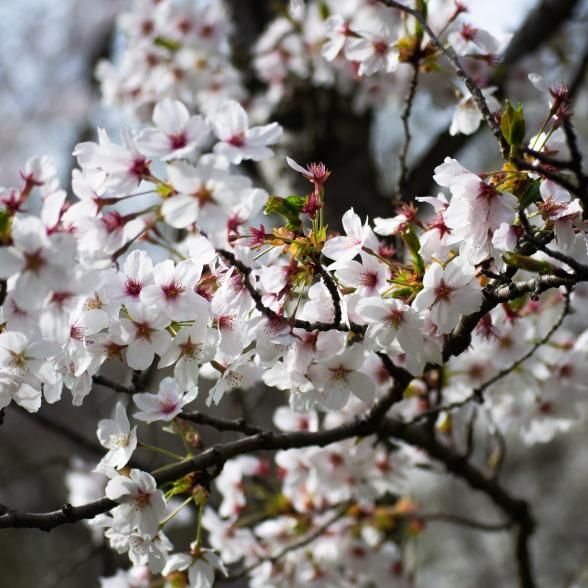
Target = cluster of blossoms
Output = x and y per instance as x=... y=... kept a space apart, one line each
x=355 y=46
x=160 y=263
x=297 y=307
x=177 y=49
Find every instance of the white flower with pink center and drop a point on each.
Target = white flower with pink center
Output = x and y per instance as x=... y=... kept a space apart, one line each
x=237 y=141
x=177 y=134
x=142 y=505
x=448 y=292
x=174 y=290
x=144 y=335
x=167 y=404
x=346 y=247
x=338 y=377
x=137 y=273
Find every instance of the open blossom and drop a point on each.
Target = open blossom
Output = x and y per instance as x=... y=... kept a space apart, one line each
x=470 y=40
x=203 y=191
x=191 y=347
x=142 y=549
x=357 y=235
x=392 y=319
x=118 y=437
x=201 y=567
x=144 y=335
x=173 y=291
x=449 y=292
x=142 y=505
x=237 y=141
x=41 y=261
x=165 y=405
x=339 y=377
x=475 y=211
x=120 y=168
x=177 y=134
x=374 y=51
x=137 y=273
x=467 y=116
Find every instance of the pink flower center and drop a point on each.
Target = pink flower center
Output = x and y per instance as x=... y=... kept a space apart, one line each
x=113 y=221
x=486 y=191
x=395 y=318
x=172 y=291
x=237 y=140
x=133 y=287
x=380 y=47
x=178 y=141
x=443 y=292
x=143 y=331
x=168 y=406
x=189 y=350
x=34 y=261
x=140 y=168
x=468 y=32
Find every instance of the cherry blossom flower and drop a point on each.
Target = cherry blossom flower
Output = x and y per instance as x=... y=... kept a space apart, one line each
x=374 y=51
x=118 y=437
x=201 y=567
x=202 y=191
x=241 y=373
x=177 y=134
x=368 y=277
x=144 y=335
x=191 y=347
x=449 y=292
x=237 y=141
x=40 y=260
x=392 y=319
x=141 y=504
x=165 y=405
x=338 y=377
x=475 y=211
x=467 y=116
x=126 y=286
x=173 y=291
x=346 y=248
x=142 y=549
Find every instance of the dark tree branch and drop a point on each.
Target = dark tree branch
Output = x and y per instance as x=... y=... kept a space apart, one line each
x=116 y=387
x=237 y=425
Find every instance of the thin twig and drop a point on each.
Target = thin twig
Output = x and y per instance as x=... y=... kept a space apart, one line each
x=405 y=117
x=272 y=314
x=451 y=55
x=547 y=173
x=237 y=425
x=306 y=540
x=478 y=393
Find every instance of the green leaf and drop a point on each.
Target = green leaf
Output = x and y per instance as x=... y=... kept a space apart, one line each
x=512 y=124
x=538 y=266
x=531 y=195
x=166 y=43
x=5 y=225
x=288 y=208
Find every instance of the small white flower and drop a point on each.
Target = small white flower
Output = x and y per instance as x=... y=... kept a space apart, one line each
x=177 y=134
x=118 y=437
x=142 y=505
x=165 y=405
x=449 y=292
x=237 y=141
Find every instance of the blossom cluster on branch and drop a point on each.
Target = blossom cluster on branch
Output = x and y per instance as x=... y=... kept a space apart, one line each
x=389 y=338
